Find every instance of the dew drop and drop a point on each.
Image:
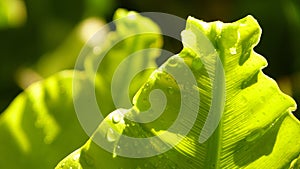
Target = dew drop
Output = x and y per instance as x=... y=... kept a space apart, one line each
x=254 y=135
x=110 y=135
x=173 y=62
x=96 y=50
x=197 y=63
x=76 y=157
x=132 y=16
x=115 y=152
x=232 y=51
x=114 y=155
x=146 y=87
x=170 y=90
x=116 y=118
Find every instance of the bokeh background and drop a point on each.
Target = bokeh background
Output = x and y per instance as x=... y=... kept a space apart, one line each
x=39 y=38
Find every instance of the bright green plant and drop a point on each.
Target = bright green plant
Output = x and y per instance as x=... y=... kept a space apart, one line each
x=41 y=122
x=256 y=130
x=12 y=13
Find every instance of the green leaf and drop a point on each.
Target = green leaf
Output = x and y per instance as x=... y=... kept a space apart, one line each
x=256 y=129
x=37 y=129
x=133 y=34
x=12 y=13
x=40 y=127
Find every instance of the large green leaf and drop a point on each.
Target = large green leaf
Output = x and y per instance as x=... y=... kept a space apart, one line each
x=36 y=125
x=40 y=127
x=257 y=129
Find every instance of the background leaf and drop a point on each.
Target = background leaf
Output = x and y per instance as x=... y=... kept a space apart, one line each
x=42 y=122
x=12 y=13
x=40 y=126
x=133 y=34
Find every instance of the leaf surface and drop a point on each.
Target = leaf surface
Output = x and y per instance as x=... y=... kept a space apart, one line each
x=256 y=129
x=36 y=125
x=41 y=126
x=134 y=34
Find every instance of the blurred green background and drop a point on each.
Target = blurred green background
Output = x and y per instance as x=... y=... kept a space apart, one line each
x=39 y=38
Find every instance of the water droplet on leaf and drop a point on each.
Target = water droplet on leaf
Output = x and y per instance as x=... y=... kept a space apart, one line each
x=115 y=152
x=76 y=157
x=132 y=16
x=116 y=118
x=173 y=62
x=96 y=50
x=170 y=90
x=110 y=135
x=232 y=51
x=146 y=87
x=114 y=155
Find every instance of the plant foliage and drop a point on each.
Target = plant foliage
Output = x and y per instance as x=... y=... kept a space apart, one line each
x=256 y=129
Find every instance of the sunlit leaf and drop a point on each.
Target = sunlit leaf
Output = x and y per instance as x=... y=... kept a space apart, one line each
x=256 y=130
x=133 y=34
x=36 y=126
x=41 y=122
